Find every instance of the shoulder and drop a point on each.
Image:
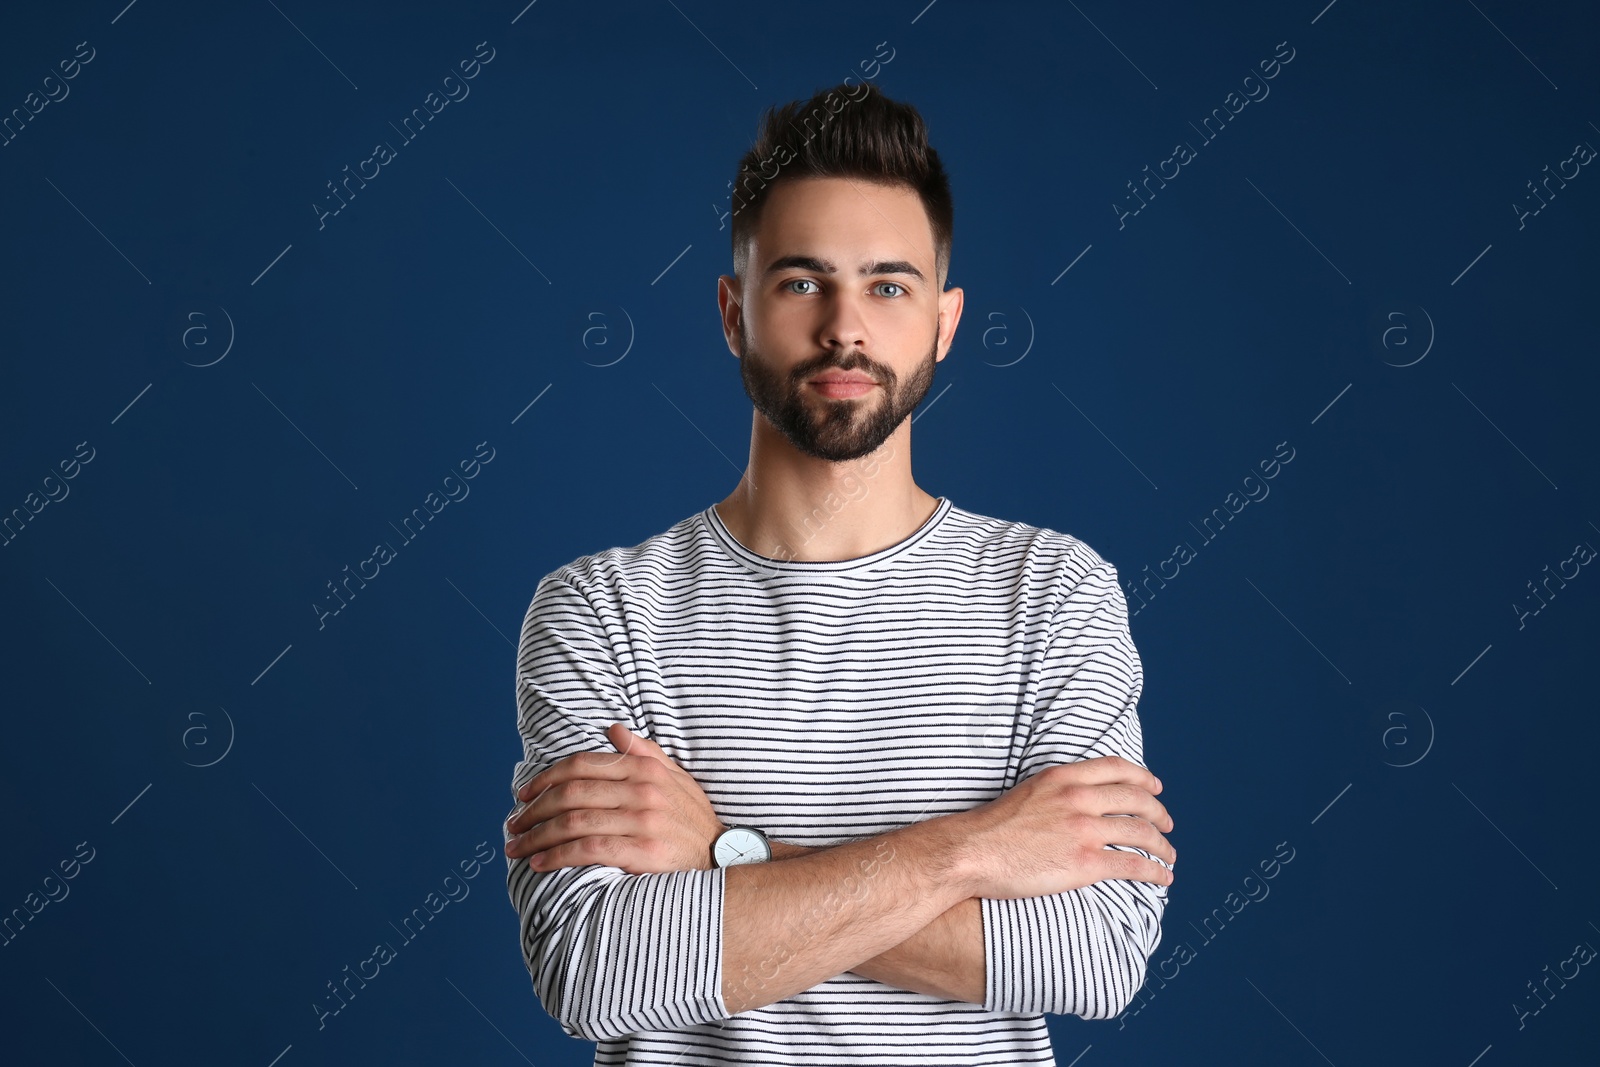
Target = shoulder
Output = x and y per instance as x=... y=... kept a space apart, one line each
x=627 y=571
x=1042 y=552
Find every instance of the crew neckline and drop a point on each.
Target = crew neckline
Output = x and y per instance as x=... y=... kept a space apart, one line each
x=769 y=566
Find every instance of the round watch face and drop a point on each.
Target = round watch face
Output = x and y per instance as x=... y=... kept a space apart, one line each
x=741 y=845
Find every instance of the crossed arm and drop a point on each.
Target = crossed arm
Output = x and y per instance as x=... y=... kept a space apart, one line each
x=942 y=954
x=945 y=958
x=923 y=921
x=911 y=916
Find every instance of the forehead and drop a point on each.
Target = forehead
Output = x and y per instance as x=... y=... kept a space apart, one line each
x=846 y=220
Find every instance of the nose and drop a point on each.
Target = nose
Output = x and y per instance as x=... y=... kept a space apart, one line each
x=844 y=326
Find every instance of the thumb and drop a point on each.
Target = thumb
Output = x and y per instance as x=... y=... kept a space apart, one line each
x=626 y=740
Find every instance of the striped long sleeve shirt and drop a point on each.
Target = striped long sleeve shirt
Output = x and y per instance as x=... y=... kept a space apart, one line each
x=825 y=701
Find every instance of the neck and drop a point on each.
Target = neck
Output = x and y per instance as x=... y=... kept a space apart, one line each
x=792 y=506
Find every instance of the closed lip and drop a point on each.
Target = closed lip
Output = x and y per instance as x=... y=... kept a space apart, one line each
x=838 y=378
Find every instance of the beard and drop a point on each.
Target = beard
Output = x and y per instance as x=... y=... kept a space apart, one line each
x=833 y=428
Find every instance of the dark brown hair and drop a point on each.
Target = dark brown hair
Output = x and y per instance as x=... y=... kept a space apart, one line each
x=843 y=132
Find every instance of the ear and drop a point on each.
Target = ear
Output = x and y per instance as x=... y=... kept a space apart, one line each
x=950 y=303
x=730 y=305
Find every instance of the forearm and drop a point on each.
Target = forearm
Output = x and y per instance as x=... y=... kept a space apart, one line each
x=943 y=959
x=793 y=922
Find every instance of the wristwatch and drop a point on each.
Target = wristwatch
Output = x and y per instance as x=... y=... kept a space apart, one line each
x=740 y=844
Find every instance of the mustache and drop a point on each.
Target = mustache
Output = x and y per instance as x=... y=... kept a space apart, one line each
x=807 y=371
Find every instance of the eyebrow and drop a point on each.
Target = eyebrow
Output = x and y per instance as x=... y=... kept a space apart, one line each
x=823 y=266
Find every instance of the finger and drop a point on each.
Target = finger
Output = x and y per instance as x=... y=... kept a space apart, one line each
x=599 y=760
x=1149 y=809
x=609 y=765
x=1150 y=871
x=1119 y=769
x=1116 y=863
x=568 y=796
x=620 y=737
x=637 y=744
x=1106 y=770
x=1135 y=831
x=1126 y=798
x=576 y=825
x=623 y=852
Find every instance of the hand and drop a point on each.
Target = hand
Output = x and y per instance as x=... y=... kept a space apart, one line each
x=1048 y=834
x=638 y=811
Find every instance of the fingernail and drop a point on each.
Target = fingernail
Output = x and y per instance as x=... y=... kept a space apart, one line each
x=533 y=860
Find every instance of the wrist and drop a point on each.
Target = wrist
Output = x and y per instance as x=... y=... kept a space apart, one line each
x=956 y=846
x=782 y=850
x=951 y=841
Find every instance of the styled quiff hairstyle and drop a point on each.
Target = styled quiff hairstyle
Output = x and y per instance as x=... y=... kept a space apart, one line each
x=844 y=132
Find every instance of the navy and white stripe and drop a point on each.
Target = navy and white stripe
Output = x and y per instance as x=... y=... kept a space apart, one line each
x=825 y=701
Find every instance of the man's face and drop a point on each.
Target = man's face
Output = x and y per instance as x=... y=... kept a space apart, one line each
x=841 y=282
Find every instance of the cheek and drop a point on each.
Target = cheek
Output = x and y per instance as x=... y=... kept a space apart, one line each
x=787 y=320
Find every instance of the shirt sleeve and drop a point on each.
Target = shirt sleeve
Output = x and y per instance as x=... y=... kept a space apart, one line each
x=610 y=953
x=1083 y=952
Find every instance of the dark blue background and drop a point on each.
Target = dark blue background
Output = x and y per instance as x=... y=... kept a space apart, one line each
x=1341 y=669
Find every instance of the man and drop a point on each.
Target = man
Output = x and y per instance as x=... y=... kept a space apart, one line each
x=834 y=771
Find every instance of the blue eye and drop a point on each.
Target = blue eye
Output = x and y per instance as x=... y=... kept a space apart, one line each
x=798 y=281
x=894 y=285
